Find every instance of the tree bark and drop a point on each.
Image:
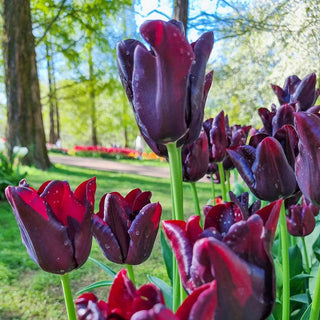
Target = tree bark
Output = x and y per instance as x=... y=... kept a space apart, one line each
x=92 y=95
x=25 y=123
x=180 y=12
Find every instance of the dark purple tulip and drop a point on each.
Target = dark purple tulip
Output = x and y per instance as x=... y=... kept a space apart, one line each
x=195 y=159
x=265 y=169
x=239 y=259
x=126 y=228
x=166 y=86
x=307 y=162
x=301 y=91
x=266 y=118
x=124 y=300
x=301 y=218
x=55 y=223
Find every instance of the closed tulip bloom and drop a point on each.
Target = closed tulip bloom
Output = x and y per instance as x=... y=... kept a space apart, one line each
x=167 y=86
x=307 y=162
x=126 y=228
x=195 y=159
x=301 y=218
x=301 y=91
x=265 y=169
x=55 y=223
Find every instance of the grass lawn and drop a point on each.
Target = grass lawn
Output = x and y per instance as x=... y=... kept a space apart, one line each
x=26 y=292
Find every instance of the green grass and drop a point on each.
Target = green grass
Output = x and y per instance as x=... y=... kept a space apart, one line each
x=26 y=292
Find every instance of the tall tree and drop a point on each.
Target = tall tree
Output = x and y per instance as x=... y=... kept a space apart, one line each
x=25 y=123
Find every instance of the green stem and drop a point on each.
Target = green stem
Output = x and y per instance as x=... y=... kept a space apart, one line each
x=222 y=181
x=285 y=264
x=315 y=307
x=196 y=200
x=131 y=273
x=305 y=251
x=176 y=179
x=175 y=165
x=213 y=188
x=228 y=182
x=68 y=296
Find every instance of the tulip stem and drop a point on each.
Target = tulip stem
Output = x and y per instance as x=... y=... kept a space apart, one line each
x=315 y=307
x=175 y=165
x=305 y=251
x=176 y=179
x=228 y=183
x=285 y=264
x=213 y=189
x=196 y=200
x=68 y=296
x=222 y=182
x=131 y=273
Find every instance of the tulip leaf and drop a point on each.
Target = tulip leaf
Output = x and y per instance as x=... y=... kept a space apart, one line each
x=104 y=267
x=104 y=283
x=165 y=288
x=302 y=298
x=295 y=256
x=306 y=314
x=167 y=256
x=316 y=248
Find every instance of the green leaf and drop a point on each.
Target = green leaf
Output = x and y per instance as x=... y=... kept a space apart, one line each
x=99 y=284
x=302 y=298
x=167 y=256
x=306 y=315
x=104 y=267
x=295 y=256
x=316 y=248
x=165 y=288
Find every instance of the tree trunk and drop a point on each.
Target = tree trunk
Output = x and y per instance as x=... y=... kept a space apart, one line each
x=180 y=12
x=25 y=123
x=52 y=123
x=92 y=95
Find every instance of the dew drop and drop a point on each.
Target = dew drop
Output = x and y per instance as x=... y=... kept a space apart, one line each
x=137 y=233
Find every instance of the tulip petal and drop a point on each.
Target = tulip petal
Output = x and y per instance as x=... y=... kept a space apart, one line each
x=122 y=293
x=147 y=296
x=182 y=248
x=107 y=241
x=116 y=217
x=218 y=138
x=63 y=202
x=143 y=232
x=307 y=162
x=158 y=312
x=200 y=305
x=86 y=191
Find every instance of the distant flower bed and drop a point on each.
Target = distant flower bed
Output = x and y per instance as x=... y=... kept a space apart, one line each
x=112 y=153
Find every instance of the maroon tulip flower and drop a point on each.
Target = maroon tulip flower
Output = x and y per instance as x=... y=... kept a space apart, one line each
x=166 y=86
x=301 y=218
x=307 y=162
x=232 y=251
x=303 y=92
x=55 y=223
x=265 y=169
x=195 y=159
x=124 y=300
x=200 y=305
x=126 y=228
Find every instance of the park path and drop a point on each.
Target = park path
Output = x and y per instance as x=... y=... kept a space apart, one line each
x=109 y=165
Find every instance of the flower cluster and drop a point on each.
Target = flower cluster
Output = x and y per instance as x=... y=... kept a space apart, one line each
x=225 y=264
